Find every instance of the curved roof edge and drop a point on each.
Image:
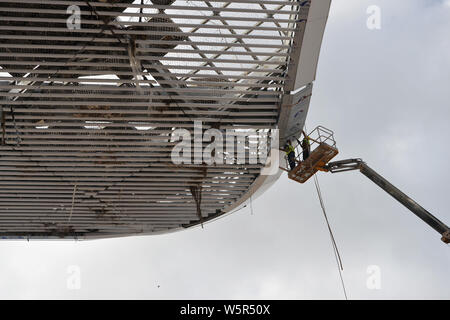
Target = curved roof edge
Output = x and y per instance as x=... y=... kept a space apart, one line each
x=297 y=93
x=293 y=109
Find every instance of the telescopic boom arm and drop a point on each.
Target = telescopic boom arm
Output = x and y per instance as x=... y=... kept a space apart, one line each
x=358 y=164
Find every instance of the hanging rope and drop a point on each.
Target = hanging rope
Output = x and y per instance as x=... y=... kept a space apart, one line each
x=73 y=201
x=18 y=139
x=333 y=241
x=141 y=11
x=3 y=125
x=196 y=191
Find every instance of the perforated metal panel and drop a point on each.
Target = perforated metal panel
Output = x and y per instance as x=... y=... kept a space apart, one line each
x=88 y=112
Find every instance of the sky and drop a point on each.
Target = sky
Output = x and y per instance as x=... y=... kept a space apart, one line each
x=385 y=93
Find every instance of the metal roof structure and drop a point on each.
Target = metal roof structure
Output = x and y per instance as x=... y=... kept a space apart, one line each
x=87 y=111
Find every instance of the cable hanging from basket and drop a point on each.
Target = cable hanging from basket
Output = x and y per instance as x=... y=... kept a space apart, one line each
x=333 y=241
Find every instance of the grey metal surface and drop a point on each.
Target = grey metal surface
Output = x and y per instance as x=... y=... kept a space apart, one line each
x=89 y=112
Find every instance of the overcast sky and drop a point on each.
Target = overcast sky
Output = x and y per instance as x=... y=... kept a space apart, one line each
x=386 y=95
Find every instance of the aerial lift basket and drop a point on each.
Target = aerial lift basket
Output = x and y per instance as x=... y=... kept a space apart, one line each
x=322 y=150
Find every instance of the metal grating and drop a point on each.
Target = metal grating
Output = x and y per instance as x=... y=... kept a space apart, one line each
x=88 y=113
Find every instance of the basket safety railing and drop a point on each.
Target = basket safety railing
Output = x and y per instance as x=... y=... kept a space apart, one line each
x=320 y=135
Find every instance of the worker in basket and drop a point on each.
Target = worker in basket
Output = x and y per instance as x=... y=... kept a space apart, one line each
x=306 y=146
x=290 y=153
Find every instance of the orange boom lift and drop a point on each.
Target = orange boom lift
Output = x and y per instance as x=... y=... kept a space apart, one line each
x=323 y=149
